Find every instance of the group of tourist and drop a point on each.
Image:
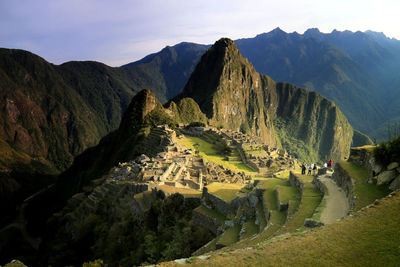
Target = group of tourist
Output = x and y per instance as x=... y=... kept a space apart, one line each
x=313 y=167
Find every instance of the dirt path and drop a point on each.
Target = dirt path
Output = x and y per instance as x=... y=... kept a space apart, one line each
x=336 y=201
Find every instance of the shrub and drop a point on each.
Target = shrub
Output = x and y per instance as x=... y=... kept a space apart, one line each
x=387 y=152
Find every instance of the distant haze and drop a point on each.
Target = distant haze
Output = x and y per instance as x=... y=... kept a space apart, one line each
x=119 y=32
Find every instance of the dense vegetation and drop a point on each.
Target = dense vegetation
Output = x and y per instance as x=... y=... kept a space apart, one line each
x=163 y=233
x=388 y=152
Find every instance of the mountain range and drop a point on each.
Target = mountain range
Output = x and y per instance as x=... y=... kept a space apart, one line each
x=52 y=113
x=224 y=91
x=69 y=124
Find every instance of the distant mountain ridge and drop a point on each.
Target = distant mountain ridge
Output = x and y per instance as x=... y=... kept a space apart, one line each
x=357 y=70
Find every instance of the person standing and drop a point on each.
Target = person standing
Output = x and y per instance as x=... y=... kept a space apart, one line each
x=314 y=170
x=303 y=168
x=309 y=170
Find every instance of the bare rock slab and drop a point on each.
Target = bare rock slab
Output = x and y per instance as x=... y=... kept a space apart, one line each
x=395 y=184
x=386 y=177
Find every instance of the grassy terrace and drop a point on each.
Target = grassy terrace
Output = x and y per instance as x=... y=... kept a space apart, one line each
x=230 y=236
x=212 y=213
x=288 y=193
x=227 y=192
x=251 y=228
x=277 y=218
x=211 y=152
x=369 y=238
x=365 y=193
x=310 y=199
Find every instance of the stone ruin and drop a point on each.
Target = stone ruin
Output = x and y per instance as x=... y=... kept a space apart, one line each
x=177 y=167
x=273 y=160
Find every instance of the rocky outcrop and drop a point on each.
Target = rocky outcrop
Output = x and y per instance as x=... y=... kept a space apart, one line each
x=379 y=174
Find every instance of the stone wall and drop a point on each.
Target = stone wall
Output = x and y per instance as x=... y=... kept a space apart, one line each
x=294 y=181
x=216 y=203
x=365 y=159
x=344 y=181
x=207 y=222
x=319 y=185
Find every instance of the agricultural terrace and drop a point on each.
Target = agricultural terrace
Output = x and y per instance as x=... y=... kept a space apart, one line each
x=227 y=192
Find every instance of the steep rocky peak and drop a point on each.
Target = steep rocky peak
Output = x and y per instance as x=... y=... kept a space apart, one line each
x=142 y=104
x=224 y=49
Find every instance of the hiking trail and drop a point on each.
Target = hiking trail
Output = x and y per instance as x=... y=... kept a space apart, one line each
x=337 y=205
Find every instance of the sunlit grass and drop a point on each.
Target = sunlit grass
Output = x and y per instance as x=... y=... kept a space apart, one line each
x=310 y=199
x=209 y=152
x=227 y=192
x=370 y=238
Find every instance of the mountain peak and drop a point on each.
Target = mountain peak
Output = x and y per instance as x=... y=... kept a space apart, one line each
x=215 y=67
x=142 y=104
x=224 y=47
x=224 y=42
x=312 y=32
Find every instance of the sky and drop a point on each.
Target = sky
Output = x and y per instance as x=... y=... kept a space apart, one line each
x=117 y=32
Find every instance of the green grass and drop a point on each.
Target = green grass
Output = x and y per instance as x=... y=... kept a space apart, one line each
x=230 y=236
x=287 y=193
x=227 y=192
x=251 y=228
x=210 y=152
x=283 y=175
x=370 y=238
x=310 y=199
x=277 y=218
x=365 y=193
x=211 y=213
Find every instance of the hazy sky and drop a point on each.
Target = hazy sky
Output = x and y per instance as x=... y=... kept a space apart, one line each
x=121 y=31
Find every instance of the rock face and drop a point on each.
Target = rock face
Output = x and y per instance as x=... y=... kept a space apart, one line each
x=229 y=91
x=386 y=177
x=234 y=96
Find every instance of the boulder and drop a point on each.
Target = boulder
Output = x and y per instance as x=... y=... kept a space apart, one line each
x=312 y=223
x=392 y=166
x=395 y=184
x=376 y=168
x=386 y=177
